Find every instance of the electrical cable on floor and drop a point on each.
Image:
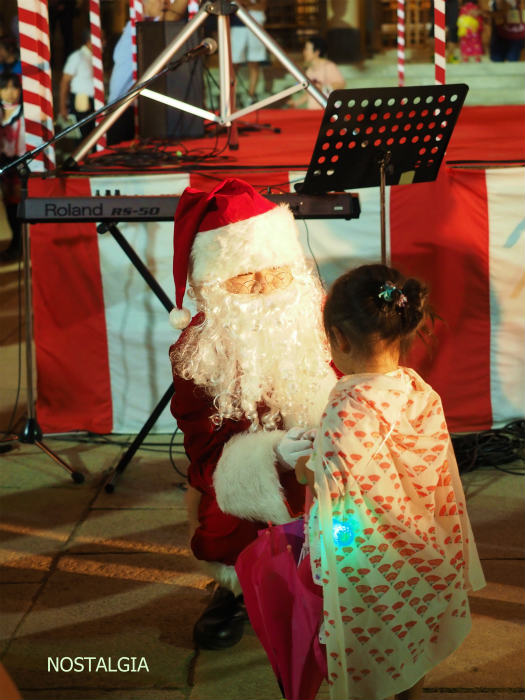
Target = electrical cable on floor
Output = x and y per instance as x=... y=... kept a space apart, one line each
x=97 y=439
x=492 y=448
x=184 y=476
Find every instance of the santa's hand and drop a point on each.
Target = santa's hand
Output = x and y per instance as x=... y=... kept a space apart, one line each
x=292 y=446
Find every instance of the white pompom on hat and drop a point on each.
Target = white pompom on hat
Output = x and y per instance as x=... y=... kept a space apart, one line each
x=229 y=231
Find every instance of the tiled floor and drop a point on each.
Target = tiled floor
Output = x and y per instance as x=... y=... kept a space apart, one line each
x=87 y=573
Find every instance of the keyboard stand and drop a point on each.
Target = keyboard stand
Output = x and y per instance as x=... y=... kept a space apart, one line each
x=168 y=305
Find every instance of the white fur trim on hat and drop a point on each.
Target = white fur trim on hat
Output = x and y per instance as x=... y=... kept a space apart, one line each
x=267 y=240
x=180 y=318
x=246 y=481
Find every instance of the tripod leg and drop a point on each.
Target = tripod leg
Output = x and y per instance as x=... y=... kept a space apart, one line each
x=226 y=79
x=276 y=50
x=137 y=442
x=77 y=476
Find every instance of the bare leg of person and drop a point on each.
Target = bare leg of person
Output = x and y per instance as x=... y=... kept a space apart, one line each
x=253 y=75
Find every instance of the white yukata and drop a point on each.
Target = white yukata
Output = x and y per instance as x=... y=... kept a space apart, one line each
x=390 y=539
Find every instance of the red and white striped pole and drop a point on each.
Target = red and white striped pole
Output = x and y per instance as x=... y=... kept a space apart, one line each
x=439 y=42
x=136 y=14
x=36 y=80
x=193 y=8
x=98 y=69
x=401 y=42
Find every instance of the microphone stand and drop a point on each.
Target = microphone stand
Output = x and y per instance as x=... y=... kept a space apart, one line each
x=227 y=112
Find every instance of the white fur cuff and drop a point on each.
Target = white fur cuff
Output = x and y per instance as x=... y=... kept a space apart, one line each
x=246 y=481
x=224 y=574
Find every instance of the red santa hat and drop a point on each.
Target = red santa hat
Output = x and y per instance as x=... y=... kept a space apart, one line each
x=226 y=232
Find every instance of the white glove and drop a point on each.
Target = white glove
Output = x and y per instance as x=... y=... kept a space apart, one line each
x=294 y=445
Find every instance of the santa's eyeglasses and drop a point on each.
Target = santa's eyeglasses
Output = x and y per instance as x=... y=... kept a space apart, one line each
x=260 y=282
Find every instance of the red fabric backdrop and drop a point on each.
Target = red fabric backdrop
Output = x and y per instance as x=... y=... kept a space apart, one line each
x=438 y=231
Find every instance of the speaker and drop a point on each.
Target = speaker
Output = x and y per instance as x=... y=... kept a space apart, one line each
x=185 y=83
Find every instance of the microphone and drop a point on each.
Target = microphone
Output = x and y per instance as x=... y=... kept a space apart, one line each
x=206 y=47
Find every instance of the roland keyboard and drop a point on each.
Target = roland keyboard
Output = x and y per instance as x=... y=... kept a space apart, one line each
x=162 y=207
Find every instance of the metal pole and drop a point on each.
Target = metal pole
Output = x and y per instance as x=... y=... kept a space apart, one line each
x=385 y=159
x=28 y=309
x=32 y=433
x=225 y=87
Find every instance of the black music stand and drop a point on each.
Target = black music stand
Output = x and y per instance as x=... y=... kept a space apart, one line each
x=383 y=136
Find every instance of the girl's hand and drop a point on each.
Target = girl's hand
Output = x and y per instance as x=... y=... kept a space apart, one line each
x=303 y=474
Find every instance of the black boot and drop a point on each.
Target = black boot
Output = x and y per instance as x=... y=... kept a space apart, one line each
x=221 y=625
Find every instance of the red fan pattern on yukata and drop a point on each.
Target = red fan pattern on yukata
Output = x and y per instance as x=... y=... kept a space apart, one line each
x=390 y=540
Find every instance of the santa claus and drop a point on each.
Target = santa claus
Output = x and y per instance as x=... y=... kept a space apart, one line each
x=251 y=364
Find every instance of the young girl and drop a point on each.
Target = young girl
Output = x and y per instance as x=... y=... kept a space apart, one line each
x=324 y=74
x=389 y=535
x=12 y=145
x=470 y=31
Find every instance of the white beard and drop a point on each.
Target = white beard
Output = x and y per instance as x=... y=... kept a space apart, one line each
x=256 y=348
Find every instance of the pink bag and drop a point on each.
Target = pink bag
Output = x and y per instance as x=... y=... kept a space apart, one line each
x=285 y=608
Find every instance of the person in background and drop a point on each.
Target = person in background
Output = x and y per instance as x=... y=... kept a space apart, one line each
x=76 y=85
x=451 y=21
x=322 y=72
x=507 y=37
x=470 y=30
x=121 y=79
x=246 y=47
x=12 y=145
x=390 y=542
x=9 y=56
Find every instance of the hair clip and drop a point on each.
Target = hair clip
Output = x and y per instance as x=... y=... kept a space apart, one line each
x=387 y=294
x=387 y=290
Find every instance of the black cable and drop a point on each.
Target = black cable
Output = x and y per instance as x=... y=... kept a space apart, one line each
x=97 y=439
x=491 y=448
x=184 y=476
x=312 y=253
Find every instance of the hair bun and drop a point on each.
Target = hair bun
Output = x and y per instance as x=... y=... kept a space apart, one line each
x=416 y=295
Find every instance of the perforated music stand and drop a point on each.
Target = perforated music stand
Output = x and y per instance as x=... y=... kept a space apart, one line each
x=383 y=136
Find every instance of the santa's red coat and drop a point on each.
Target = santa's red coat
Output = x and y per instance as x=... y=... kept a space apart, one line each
x=221 y=536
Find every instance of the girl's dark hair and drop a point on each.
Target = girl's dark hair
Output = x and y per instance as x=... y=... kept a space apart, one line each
x=375 y=302
x=7 y=78
x=318 y=44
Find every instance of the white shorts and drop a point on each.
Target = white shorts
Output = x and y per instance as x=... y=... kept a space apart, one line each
x=245 y=45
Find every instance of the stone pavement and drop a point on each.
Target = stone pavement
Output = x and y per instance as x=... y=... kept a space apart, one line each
x=85 y=573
